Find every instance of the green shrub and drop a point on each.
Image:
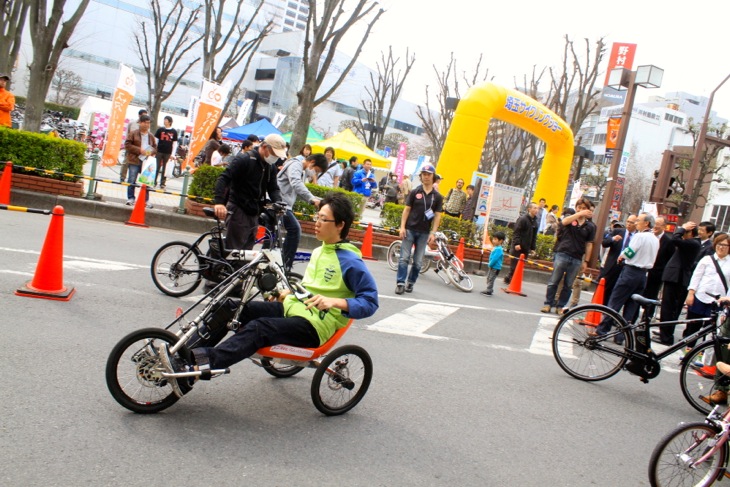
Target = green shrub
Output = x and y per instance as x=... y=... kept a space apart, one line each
x=393 y=212
x=304 y=211
x=202 y=188
x=43 y=152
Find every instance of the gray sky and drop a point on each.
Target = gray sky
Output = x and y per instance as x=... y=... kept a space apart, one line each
x=686 y=40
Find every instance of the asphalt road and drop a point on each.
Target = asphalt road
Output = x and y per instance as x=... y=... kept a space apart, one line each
x=465 y=390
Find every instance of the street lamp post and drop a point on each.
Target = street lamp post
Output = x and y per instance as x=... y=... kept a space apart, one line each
x=644 y=76
x=699 y=147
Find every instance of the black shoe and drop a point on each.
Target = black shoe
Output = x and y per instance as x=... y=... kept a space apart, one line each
x=409 y=287
x=657 y=339
x=486 y=293
x=399 y=288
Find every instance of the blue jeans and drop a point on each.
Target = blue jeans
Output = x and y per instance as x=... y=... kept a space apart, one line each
x=291 y=242
x=132 y=173
x=563 y=265
x=420 y=240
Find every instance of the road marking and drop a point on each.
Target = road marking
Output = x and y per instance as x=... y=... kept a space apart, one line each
x=84 y=263
x=464 y=306
x=414 y=321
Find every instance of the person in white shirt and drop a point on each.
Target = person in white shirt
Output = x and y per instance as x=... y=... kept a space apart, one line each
x=219 y=156
x=637 y=258
x=331 y=177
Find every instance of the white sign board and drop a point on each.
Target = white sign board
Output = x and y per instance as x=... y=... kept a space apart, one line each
x=506 y=203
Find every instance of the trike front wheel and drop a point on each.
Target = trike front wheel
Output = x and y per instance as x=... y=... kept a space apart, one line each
x=176 y=269
x=587 y=357
x=134 y=372
x=673 y=460
x=341 y=380
x=280 y=371
x=458 y=276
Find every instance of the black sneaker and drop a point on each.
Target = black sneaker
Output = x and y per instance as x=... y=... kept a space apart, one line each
x=409 y=287
x=486 y=293
x=400 y=288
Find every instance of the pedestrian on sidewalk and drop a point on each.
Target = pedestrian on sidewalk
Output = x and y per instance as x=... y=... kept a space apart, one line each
x=496 y=257
x=140 y=145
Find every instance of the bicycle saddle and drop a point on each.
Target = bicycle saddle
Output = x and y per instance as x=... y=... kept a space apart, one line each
x=645 y=301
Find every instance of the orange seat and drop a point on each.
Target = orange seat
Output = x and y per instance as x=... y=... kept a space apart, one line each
x=301 y=354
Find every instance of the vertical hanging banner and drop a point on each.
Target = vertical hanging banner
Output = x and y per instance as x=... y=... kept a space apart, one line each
x=486 y=241
x=123 y=94
x=400 y=163
x=208 y=112
x=612 y=129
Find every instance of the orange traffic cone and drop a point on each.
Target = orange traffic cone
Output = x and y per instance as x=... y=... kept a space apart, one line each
x=460 y=250
x=137 y=218
x=5 y=184
x=367 y=244
x=47 y=281
x=261 y=233
x=515 y=285
x=593 y=318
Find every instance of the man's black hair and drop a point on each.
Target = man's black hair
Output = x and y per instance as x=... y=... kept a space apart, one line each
x=142 y=111
x=709 y=227
x=320 y=161
x=353 y=159
x=253 y=138
x=224 y=149
x=145 y=118
x=341 y=209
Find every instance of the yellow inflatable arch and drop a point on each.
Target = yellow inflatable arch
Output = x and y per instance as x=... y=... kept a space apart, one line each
x=465 y=141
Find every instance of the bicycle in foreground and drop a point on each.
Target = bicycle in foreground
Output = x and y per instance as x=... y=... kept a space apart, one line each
x=694 y=454
x=137 y=379
x=446 y=262
x=590 y=357
x=178 y=267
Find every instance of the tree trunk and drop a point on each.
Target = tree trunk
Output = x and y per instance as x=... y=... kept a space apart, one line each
x=301 y=127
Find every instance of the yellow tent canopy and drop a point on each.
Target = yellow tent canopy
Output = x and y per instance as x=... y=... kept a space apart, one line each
x=346 y=145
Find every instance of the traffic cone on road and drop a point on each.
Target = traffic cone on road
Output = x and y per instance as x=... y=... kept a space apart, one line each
x=460 y=250
x=367 y=244
x=5 y=184
x=261 y=233
x=515 y=285
x=593 y=318
x=47 y=281
x=137 y=218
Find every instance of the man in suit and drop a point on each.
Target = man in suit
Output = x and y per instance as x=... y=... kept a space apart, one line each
x=615 y=242
x=706 y=232
x=676 y=276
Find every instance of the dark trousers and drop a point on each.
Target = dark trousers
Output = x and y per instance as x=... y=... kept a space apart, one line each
x=240 y=228
x=631 y=281
x=264 y=325
x=673 y=298
x=513 y=263
x=611 y=276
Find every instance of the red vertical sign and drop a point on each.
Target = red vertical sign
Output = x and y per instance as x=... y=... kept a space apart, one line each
x=622 y=56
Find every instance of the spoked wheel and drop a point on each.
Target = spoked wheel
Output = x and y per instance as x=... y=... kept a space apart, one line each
x=134 y=372
x=176 y=171
x=280 y=370
x=697 y=377
x=394 y=254
x=394 y=257
x=341 y=380
x=591 y=358
x=458 y=276
x=176 y=269
x=673 y=460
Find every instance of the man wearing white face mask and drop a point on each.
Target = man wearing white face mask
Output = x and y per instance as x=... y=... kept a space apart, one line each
x=242 y=187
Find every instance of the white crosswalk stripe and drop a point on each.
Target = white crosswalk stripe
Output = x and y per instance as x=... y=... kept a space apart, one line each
x=415 y=320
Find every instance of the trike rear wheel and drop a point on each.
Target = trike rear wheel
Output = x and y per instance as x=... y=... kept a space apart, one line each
x=394 y=257
x=697 y=377
x=176 y=269
x=341 y=380
x=280 y=371
x=672 y=461
x=133 y=372
x=586 y=357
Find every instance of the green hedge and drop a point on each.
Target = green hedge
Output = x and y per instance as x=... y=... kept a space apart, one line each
x=70 y=112
x=307 y=210
x=203 y=184
x=42 y=151
x=392 y=213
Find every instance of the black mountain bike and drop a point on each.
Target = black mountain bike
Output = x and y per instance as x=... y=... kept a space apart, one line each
x=587 y=356
x=178 y=267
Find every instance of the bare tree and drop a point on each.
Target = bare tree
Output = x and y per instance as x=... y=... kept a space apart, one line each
x=322 y=36
x=12 y=22
x=67 y=86
x=48 y=43
x=436 y=121
x=239 y=43
x=382 y=95
x=163 y=48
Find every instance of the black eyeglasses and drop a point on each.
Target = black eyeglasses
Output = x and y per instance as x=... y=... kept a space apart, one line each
x=317 y=218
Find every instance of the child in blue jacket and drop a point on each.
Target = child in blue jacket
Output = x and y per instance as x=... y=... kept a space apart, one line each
x=495 y=261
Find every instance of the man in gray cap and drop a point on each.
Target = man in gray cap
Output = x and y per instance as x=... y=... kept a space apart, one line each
x=7 y=102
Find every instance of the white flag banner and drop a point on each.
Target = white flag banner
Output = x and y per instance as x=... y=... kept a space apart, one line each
x=278 y=119
x=243 y=111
